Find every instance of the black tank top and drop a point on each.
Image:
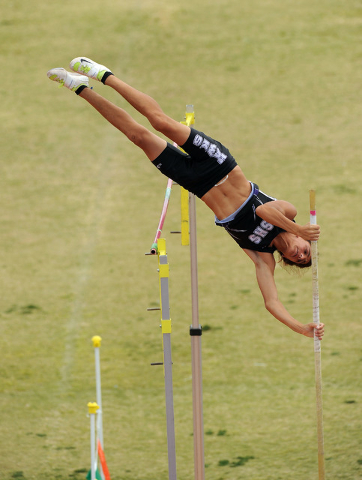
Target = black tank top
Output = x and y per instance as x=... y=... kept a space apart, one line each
x=248 y=229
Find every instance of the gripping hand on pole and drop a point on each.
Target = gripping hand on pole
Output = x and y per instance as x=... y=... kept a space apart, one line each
x=310 y=232
x=315 y=330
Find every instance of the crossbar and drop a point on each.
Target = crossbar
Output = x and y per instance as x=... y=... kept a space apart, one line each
x=154 y=248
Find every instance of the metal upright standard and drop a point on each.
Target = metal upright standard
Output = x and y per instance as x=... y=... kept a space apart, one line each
x=195 y=332
x=317 y=342
x=163 y=267
x=159 y=247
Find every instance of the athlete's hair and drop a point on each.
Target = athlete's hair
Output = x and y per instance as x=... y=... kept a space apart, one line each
x=293 y=268
x=286 y=261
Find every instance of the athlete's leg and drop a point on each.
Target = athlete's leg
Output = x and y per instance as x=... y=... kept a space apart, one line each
x=147 y=106
x=150 y=143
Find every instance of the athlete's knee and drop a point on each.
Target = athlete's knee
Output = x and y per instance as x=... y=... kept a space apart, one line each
x=138 y=136
x=160 y=121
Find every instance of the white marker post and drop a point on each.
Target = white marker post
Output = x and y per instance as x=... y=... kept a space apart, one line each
x=97 y=344
x=92 y=409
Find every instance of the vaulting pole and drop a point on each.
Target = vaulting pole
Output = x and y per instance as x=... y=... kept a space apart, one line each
x=317 y=342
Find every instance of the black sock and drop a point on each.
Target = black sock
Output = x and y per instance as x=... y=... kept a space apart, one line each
x=80 y=89
x=105 y=76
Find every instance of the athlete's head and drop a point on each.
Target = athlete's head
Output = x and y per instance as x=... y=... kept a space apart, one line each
x=296 y=251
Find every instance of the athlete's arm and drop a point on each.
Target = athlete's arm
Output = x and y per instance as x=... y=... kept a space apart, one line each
x=264 y=267
x=281 y=213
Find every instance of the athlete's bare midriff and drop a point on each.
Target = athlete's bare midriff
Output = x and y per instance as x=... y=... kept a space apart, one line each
x=228 y=195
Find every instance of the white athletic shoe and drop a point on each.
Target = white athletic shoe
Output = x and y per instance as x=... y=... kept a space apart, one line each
x=68 y=79
x=86 y=66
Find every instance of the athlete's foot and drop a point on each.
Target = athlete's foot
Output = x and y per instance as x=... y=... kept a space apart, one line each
x=94 y=70
x=70 y=80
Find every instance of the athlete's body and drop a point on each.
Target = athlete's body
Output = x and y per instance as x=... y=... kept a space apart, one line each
x=229 y=195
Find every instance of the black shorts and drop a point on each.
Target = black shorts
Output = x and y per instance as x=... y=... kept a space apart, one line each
x=204 y=164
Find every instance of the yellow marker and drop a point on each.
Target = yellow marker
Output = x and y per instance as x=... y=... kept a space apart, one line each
x=185 y=234
x=166 y=326
x=96 y=341
x=92 y=407
x=164 y=271
x=185 y=229
x=190 y=117
x=161 y=245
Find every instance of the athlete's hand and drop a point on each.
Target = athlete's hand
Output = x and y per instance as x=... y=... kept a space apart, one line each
x=310 y=232
x=313 y=327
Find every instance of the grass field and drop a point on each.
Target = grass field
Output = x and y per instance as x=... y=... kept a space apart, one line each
x=279 y=83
